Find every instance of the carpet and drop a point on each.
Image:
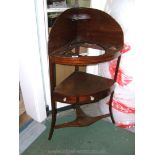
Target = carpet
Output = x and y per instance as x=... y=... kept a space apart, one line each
x=29 y=134
x=100 y=138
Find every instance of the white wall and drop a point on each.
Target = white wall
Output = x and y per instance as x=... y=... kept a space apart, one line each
x=144 y=76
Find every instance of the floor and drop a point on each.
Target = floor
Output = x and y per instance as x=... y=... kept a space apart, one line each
x=23 y=117
x=30 y=131
x=85 y=144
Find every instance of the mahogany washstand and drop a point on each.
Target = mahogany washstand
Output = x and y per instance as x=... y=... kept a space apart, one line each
x=73 y=29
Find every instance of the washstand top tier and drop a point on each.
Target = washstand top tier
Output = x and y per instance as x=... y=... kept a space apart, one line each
x=88 y=28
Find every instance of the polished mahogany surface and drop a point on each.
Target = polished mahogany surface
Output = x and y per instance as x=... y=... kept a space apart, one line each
x=87 y=87
x=84 y=27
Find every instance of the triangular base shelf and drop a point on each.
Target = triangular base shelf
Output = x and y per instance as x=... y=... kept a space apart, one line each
x=81 y=120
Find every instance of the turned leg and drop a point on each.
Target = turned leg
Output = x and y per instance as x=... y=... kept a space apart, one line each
x=110 y=107
x=54 y=112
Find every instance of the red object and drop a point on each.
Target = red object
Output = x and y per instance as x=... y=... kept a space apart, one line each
x=125 y=125
x=122 y=107
x=122 y=78
x=126 y=48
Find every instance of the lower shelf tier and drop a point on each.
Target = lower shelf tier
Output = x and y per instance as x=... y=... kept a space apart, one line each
x=81 y=87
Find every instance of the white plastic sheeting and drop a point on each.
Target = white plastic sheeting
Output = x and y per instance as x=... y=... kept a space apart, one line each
x=123 y=101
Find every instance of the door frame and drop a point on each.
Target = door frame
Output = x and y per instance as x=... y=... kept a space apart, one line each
x=33 y=72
